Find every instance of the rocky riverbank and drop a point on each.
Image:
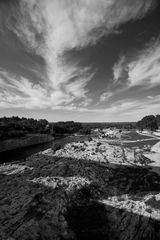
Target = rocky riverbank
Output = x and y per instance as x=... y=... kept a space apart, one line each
x=56 y=195
x=29 y=140
x=101 y=151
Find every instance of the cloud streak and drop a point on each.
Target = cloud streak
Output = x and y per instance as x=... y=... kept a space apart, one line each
x=50 y=28
x=135 y=109
x=145 y=69
x=141 y=70
x=105 y=96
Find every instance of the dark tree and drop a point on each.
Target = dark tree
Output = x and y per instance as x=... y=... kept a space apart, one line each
x=158 y=120
x=148 y=122
x=17 y=127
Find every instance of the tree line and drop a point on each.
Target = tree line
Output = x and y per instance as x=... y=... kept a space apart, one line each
x=150 y=122
x=12 y=127
x=68 y=127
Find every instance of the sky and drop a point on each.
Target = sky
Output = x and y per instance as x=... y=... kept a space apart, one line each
x=80 y=60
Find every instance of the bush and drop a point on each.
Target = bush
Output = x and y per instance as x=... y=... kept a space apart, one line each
x=83 y=149
x=56 y=147
x=99 y=143
x=89 y=139
x=85 y=131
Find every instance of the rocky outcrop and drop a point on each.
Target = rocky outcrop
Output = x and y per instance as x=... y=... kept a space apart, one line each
x=101 y=151
x=69 y=184
x=27 y=141
x=10 y=169
x=156 y=148
x=64 y=198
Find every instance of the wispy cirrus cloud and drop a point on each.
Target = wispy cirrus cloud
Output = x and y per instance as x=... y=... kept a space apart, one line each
x=119 y=68
x=105 y=96
x=50 y=28
x=142 y=70
x=135 y=109
x=130 y=109
x=20 y=92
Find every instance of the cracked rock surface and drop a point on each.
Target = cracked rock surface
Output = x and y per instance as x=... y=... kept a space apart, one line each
x=59 y=197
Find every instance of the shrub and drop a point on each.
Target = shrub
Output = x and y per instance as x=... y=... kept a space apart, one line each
x=56 y=147
x=89 y=139
x=99 y=143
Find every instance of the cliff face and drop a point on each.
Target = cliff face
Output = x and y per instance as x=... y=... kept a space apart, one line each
x=27 y=141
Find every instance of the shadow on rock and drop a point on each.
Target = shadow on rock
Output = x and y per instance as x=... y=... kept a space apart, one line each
x=34 y=211
x=88 y=221
x=100 y=222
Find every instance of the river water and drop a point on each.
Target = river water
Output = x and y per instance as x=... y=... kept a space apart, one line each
x=22 y=153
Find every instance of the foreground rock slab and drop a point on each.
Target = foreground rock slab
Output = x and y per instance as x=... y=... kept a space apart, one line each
x=10 y=169
x=69 y=183
x=53 y=196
